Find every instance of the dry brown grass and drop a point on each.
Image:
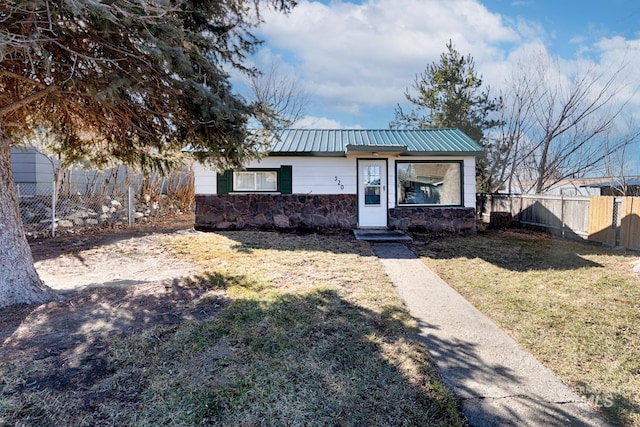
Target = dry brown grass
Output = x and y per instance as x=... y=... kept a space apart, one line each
x=309 y=331
x=313 y=335
x=574 y=306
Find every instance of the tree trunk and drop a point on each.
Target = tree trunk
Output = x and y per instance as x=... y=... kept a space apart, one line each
x=19 y=281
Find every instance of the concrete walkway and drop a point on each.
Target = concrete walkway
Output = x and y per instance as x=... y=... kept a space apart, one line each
x=497 y=383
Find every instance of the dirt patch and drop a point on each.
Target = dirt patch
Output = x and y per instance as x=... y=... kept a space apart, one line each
x=127 y=260
x=113 y=283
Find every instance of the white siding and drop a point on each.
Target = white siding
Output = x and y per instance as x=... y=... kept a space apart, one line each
x=317 y=175
x=335 y=175
x=204 y=179
x=469 y=182
x=310 y=175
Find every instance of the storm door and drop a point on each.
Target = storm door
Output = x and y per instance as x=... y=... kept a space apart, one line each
x=372 y=193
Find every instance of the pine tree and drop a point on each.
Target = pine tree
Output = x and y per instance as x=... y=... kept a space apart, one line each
x=133 y=81
x=450 y=95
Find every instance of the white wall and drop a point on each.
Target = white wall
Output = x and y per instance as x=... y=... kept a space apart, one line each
x=317 y=175
x=469 y=175
x=326 y=175
x=310 y=175
x=204 y=179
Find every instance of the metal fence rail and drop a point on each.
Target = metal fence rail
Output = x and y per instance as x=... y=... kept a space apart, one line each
x=49 y=209
x=44 y=213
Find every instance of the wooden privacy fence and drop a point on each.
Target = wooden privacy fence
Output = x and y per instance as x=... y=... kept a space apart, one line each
x=613 y=221
x=630 y=223
x=603 y=221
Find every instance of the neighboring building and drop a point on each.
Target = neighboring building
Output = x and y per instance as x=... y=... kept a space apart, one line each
x=34 y=174
x=311 y=179
x=573 y=187
x=616 y=187
x=596 y=186
x=32 y=171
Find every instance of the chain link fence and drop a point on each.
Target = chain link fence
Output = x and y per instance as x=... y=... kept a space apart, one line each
x=79 y=200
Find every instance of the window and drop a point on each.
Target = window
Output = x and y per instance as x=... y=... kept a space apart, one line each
x=255 y=181
x=429 y=183
x=372 y=185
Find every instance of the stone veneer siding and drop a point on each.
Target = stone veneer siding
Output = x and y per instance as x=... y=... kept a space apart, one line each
x=306 y=211
x=451 y=220
x=279 y=211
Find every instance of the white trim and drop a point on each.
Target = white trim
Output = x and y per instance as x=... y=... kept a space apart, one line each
x=373 y=215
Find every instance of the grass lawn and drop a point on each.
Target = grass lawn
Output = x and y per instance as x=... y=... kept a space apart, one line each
x=308 y=331
x=576 y=307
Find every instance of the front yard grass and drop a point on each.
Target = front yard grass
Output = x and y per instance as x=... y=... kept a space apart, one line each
x=312 y=334
x=576 y=307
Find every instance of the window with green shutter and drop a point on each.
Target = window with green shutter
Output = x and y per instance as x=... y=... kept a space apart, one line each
x=224 y=182
x=286 y=179
x=256 y=181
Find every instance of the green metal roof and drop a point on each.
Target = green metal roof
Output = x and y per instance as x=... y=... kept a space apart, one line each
x=340 y=142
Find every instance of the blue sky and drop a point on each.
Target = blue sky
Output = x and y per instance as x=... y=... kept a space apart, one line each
x=357 y=58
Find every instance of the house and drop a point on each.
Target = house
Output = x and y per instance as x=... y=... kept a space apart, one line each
x=569 y=187
x=629 y=186
x=592 y=186
x=314 y=179
x=32 y=171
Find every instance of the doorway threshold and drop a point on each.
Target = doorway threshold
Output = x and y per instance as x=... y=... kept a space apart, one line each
x=381 y=235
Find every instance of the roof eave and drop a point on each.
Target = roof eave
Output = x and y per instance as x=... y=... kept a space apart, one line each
x=444 y=153
x=352 y=152
x=307 y=154
x=387 y=149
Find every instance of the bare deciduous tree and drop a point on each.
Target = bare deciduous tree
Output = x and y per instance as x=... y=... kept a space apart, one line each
x=556 y=125
x=280 y=98
x=618 y=163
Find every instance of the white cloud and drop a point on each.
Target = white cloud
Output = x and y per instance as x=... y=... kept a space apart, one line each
x=311 y=122
x=618 y=53
x=368 y=54
x=355 y=59
x=620 y=50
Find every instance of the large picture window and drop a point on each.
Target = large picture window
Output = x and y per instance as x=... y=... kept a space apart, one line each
x=429 y=183
x=255 y=181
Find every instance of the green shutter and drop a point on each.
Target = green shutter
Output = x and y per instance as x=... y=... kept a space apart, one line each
x=225 y=182
x=286 y=181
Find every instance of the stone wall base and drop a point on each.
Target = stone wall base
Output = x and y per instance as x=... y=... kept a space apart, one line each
x=315 y=212
x=450 y=220
x=276 y=211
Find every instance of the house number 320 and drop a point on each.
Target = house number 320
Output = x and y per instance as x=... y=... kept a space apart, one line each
x=335 y=178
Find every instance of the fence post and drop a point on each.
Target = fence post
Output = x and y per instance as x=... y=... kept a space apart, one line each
x=130 y=207
x=562 y=215
x=54 y=201
x=511 y=205
x=617 y=220
x=521 y=207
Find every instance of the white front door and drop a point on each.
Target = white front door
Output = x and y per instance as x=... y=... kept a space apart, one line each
x=372 y=193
